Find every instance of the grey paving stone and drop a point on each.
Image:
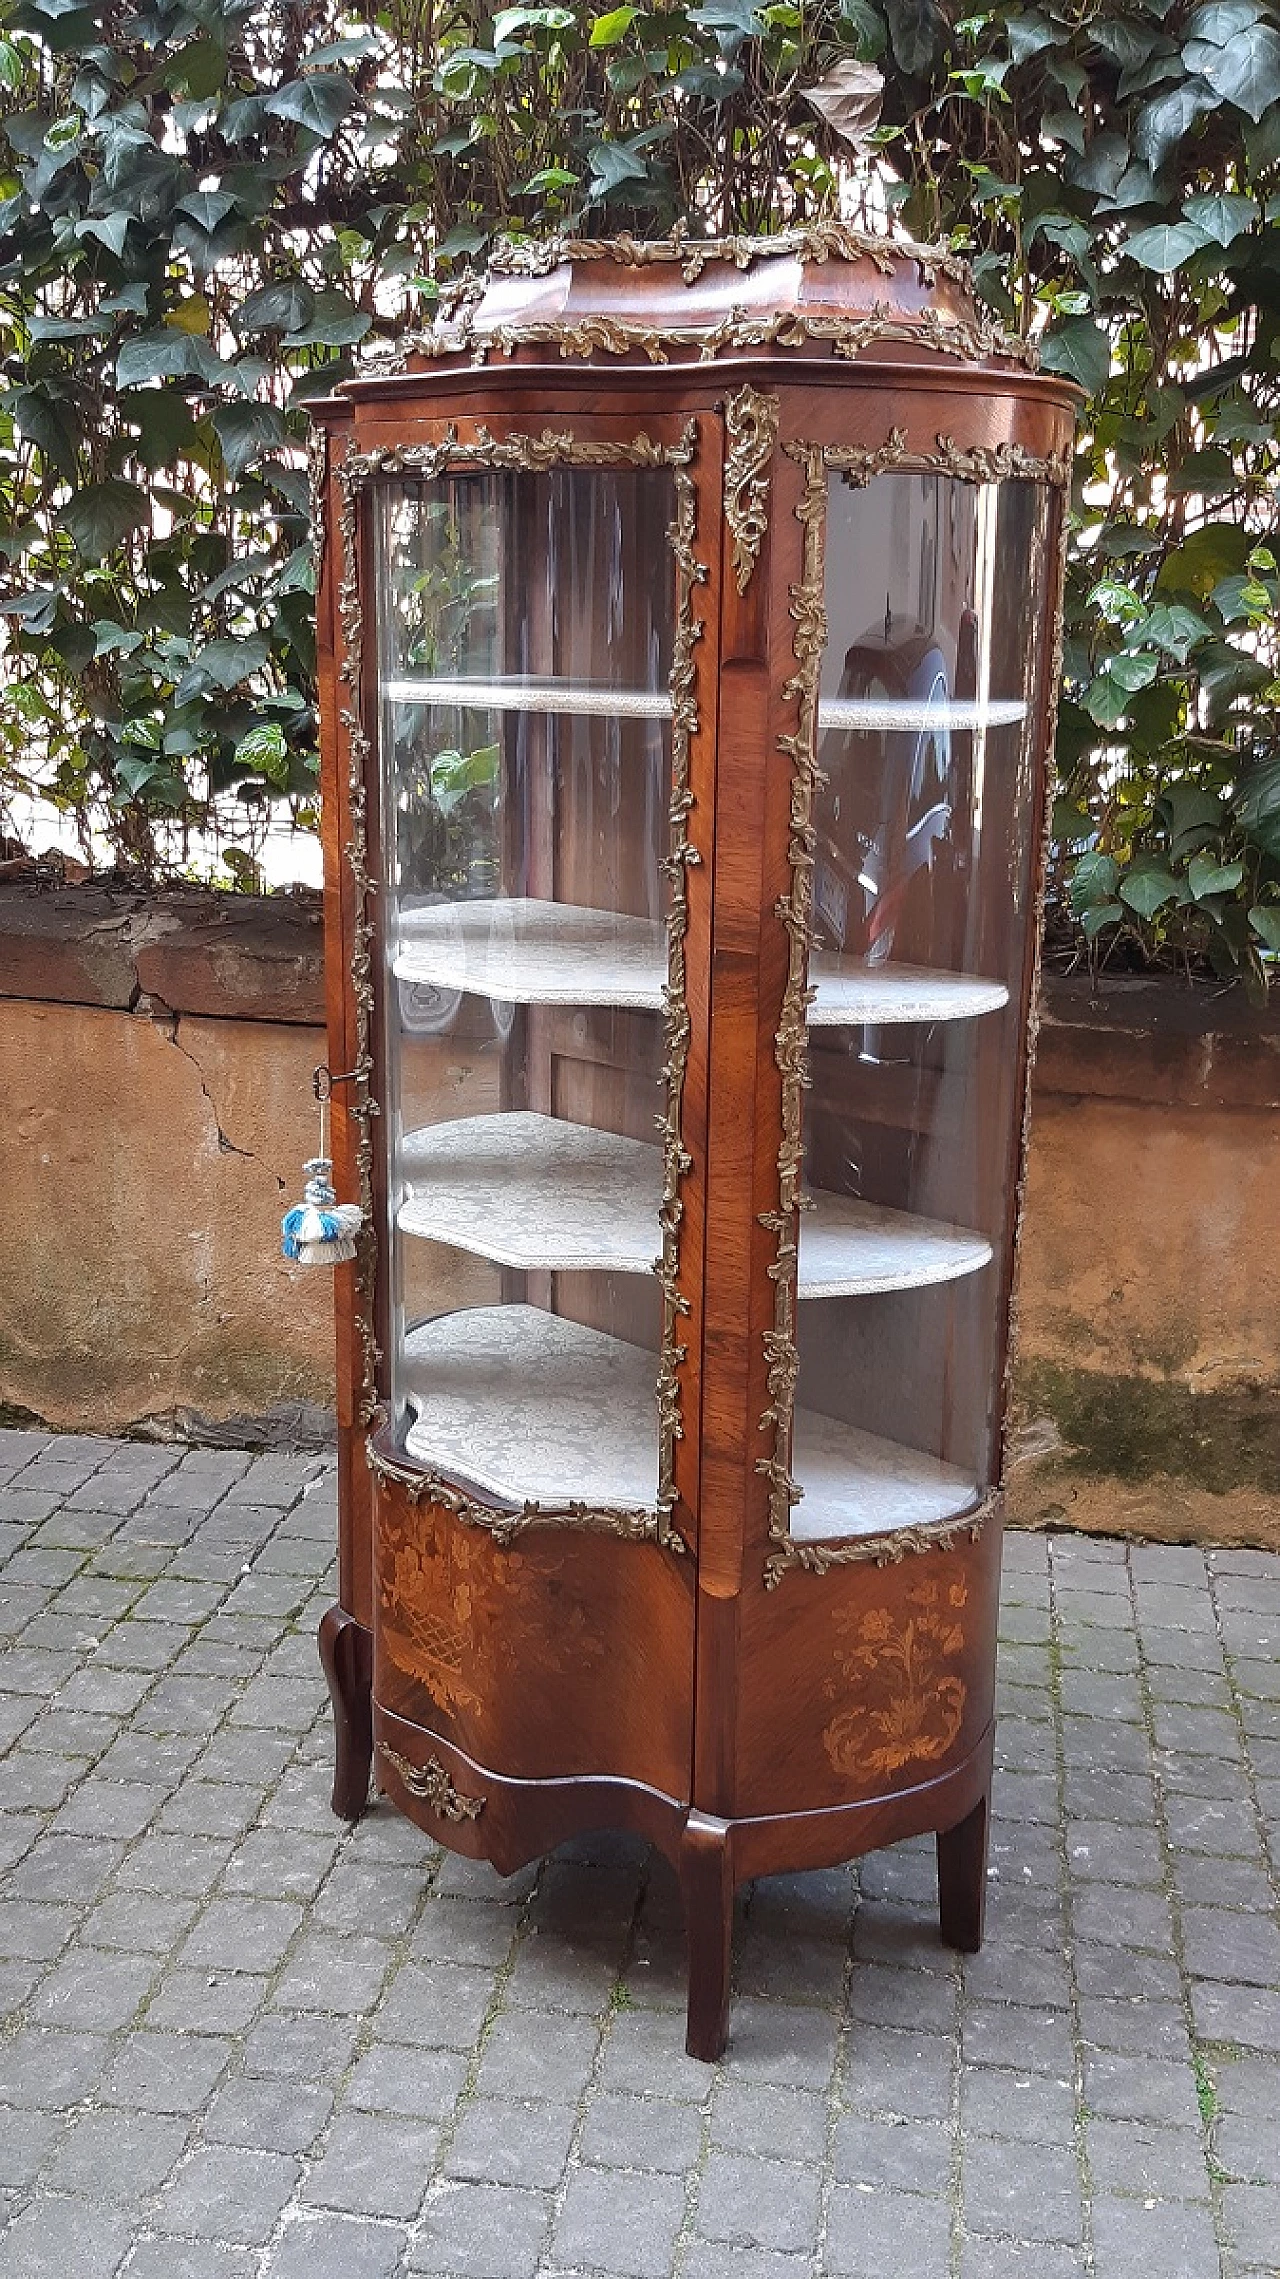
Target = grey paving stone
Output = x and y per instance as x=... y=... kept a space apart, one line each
x=768 y=2041
x=1135 y=2026
x=184 y=1866
x=481 y=2231
x=1099 y=1852
x=382 y=1902
x=716 y=2259
x=26 y=2140
x=1222 y=1945
x=1136 y=2239
x=612 y=2221
x=525 y=2056
x=65 y=1867
x=115 y=2155
x=1019 y=2259
x=1037 y=2041
x=393 y=2078
x=166 y=2073
x=1140 y=2088
x=908 y=2156
x=335 y=2247
x=759 y=2118
x=1245 y=2014
x=1031 y=2194
x=1002 y=2102
x=238 y=1934
x=1251 y=2222
x=298 y=2047
x=50 y=2069
x=33 y=1929
x=759 y=2203
x=210 y=1808
x=207 y=2002
x=1139 y=1919
x=886 y=2235
x=52 y=2238
x=642 y=2132
x=225 y=2192
x=1137 y=2156
x=496 y=2142
x=373 y=2164
x=93 y=1991
x=349 y=1977
x=1127 y=1972
x=268 y=2114
x=1247 y=2144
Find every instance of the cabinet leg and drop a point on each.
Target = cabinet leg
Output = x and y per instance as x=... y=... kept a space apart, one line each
x=346 y=1656
x=962 y=1879
x=706 y=1880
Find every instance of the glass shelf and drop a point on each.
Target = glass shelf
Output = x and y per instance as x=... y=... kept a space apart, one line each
x=528 y=1406
x=885 y=715
x=522 y=952
x=532 y=1192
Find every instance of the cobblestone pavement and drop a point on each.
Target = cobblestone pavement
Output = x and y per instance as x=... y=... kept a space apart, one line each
x=243 y=2042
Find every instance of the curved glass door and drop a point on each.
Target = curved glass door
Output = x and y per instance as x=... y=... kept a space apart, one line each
x=525 y=640
x=923 y=872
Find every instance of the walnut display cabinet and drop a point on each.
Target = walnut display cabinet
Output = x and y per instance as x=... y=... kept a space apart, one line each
x=687 y=639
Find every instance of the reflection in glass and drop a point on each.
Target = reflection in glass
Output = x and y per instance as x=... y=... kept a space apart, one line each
x=524 y=659
x=922 y=878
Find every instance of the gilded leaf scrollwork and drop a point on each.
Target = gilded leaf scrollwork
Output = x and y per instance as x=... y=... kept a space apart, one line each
x=531 y=453
x=751 y=426
x=908 y=1697
x=431 y=1784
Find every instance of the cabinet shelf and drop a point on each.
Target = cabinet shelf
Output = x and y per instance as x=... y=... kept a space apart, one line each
x=522 y=952
x=871 y=715
x=530 y=1407
x=529 y=1191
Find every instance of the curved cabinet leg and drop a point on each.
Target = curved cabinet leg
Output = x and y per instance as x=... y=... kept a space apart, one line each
x=706 y=1880
x=962 y=1879
x=346 y=1656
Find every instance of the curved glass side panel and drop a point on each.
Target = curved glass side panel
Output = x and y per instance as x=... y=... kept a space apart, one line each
x=923 y=870
x=524 y=651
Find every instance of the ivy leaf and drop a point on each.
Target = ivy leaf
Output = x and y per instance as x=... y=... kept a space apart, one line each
x=1246 y=71
x=1147 y=890
x=1028 y=33
x=167 y=355
x=1175 y=629
x=246 y=430
x=1265 y=921
x=50 y=422
x=1190 y=815
x=1222 y=215
x=1104 y=701
x=102 y=515
x=1080 y=349
x=319 y=103
x=1132 y=669
x=208 y=207
x=1094 y=879
x=607 y=30
x=110 y=230
x=1166 y=246
x=221 y=665
x=612 y=164
x=1098 y=915
x=334 y=322
x=916 y=31
x=1221 y=20
x=1206 y=875
x=1161 y=125
x=284 y=306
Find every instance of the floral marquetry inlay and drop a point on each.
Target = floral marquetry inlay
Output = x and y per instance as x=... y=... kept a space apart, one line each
x=907 y=1702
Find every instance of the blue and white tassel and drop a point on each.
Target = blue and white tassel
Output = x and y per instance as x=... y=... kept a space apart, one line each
x=321 y=1231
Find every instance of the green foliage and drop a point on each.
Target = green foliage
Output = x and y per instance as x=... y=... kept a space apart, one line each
x=206 y=204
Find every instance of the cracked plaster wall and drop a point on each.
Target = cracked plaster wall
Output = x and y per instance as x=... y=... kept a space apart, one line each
x=147 y=1165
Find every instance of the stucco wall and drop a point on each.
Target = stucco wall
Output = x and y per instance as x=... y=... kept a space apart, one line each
x=158 y=1115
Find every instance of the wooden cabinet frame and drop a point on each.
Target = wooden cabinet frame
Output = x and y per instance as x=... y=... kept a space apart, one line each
x=673 y=1670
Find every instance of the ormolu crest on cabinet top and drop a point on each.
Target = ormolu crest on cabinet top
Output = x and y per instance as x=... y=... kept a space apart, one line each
x=908 y=1704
